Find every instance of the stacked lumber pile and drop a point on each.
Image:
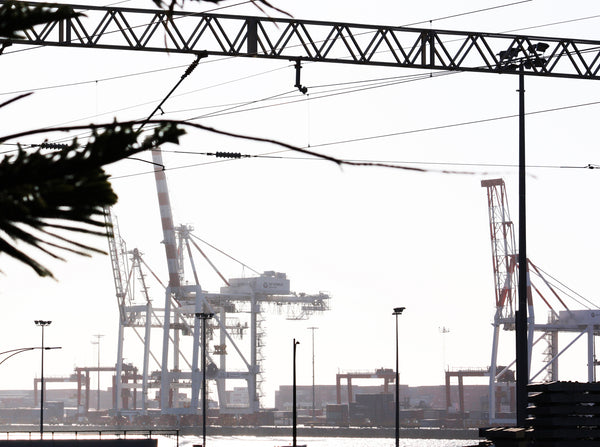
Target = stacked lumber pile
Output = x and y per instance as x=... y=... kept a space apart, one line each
x=564 y=414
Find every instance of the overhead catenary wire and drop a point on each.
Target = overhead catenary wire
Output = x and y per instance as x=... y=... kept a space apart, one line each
x=235 y=108
x=419 y=130
x=91 y=81
x=268 y=98
x=250 y=1
x=239 y=155
x=237 y=105
x=455 y=15
x=314 y=96
x=462 y=14
x=450 y=125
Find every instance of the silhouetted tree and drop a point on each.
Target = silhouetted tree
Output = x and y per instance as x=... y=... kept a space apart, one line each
x=45 y=196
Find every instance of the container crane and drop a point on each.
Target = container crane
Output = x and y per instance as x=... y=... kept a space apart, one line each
x=240 y=296
x=505 y=264
x=560 y=318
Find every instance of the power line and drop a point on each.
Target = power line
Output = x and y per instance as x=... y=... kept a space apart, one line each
x=400 y=162
x=369 y=161
x=427 y=129
x=452 y=125
x=74 y=84
x=227 y=6
x=475 y=11
x=589 y=166
x=293 y=94
x=562 y=22
x=313 y=96
x=250 y=1
x=231 y=107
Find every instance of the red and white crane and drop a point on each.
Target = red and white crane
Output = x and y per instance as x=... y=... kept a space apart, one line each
x=505 y=265
x=542 y=288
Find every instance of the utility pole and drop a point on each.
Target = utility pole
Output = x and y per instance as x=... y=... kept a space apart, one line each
x=294 y=410
x=204 y=316
x=42 y=324
x=522 y=364
x=397 y=311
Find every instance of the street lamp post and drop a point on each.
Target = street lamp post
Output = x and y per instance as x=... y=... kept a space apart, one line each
x=97 y=343
x=294 y=411
x=512 y=60
x=522 y=361
x=397 y=311
x=204 y=316
x=42 y=324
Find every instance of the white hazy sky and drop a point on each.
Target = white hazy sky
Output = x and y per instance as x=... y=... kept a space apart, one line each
x=373 y=238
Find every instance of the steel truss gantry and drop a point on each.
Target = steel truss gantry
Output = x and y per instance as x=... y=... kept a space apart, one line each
x=114 y=28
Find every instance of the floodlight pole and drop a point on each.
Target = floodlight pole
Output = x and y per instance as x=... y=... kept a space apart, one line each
x=204 y=316
x=522 y=364
x=294 y=411
x=397 y=311
x=511 y=60
x=42 y=324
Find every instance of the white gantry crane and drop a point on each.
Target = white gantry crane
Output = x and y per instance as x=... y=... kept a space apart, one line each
x=236 y=330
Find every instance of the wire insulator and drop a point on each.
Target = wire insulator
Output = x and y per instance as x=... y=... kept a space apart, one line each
x=51 y=146
x=228 y=155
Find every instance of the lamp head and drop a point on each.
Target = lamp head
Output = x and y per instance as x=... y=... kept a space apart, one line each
x=539 y=47
x=398 y=310
x=509 y=54
x=42 y=322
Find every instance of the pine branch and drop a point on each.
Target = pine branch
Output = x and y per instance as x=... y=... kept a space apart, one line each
x=17 y=16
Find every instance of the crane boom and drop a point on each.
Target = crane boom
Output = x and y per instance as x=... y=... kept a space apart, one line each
x=504 y=248
x=109 y=27
x=166 y=218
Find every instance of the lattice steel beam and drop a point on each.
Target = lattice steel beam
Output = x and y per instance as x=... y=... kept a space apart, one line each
x=292 y=39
